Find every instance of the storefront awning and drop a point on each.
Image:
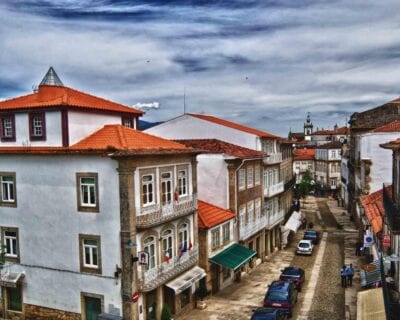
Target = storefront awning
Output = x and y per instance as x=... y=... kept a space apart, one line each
x=370 y=305
x=233 y=257
x=184 y=281
x=294 y=221
x=11 y=279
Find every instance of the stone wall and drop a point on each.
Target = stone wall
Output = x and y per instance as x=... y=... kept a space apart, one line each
x=33 y=312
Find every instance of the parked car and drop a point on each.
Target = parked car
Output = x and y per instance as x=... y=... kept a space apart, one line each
x=268 y=314
x=305 y=247
x=311 y=235
x=297 y=275
x=281 y=295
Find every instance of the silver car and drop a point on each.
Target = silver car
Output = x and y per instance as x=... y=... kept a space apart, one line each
x=305 y=247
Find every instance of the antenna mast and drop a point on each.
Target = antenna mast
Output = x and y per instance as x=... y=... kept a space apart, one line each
x=184 y=100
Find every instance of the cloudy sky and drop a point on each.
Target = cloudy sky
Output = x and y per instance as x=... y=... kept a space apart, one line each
x=261 y=63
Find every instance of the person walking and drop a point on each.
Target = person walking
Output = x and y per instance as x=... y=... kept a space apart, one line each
x=350 y=274
x=343 y=276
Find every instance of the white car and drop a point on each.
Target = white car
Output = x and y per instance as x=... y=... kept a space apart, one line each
x=305 y=247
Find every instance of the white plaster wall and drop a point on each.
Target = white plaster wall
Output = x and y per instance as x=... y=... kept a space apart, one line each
x=189 y=127
x=381 y=169
x=211 y=253
x=212 y=179
x=53 y=130
x=334 y=154
x=81 y=124
x=49 y=226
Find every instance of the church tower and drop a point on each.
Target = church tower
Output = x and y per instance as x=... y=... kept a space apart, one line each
x=308 y=128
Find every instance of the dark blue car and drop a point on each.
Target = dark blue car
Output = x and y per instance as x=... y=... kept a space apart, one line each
x=281 y=295
x=312 y=235
x=268 y=314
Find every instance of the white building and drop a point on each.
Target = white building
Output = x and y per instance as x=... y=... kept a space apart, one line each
x=82 y=198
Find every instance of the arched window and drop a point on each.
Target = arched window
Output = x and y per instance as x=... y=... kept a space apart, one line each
x=167 y=244
x=150 y=248
x=183 y=237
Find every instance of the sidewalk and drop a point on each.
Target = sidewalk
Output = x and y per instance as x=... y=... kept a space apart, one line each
x=350 y=240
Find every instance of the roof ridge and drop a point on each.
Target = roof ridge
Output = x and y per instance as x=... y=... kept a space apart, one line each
x=101 y=98
x=121 y=136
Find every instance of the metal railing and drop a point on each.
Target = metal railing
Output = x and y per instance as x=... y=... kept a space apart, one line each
x=153 y=278
x=252 y=227
x=392 y=211
x=273 y=158
x=289 y=184
x=274 y=189
x=273 y=219
x=158 y=213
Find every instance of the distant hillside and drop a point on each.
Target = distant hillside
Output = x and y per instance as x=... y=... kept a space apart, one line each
x=143 y=125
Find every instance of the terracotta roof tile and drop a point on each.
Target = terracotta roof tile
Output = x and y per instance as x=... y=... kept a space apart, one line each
x=123 y=138
x=218 y=146
x=54 y=96
x=390 y=127
x=234 y=126
x=373 y=208
x=395 y=144
x=304 y=154
x=210 y=215
x=115 y=139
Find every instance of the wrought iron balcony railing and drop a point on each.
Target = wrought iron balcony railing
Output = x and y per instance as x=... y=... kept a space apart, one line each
x=252 y=227
x=273 y=219
x=274 y=189
x=392 y=211
x=153 y=278
x=273 y=158
x=158 y=213
x=289 y=184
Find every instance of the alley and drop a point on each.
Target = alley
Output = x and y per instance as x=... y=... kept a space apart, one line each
x=322 y=296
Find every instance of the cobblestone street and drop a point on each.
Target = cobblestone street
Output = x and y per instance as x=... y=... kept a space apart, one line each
x=322 y=296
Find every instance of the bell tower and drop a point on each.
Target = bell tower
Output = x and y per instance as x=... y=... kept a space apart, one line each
x=308 y=128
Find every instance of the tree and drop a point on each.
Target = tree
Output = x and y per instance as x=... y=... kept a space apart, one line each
x=305 y=184
x=165 y=313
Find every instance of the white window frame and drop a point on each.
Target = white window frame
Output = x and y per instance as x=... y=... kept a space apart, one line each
x=93 y=249
x=250 y=211
x=182 y=182
x=7 y=188
x=257 y=208
x=242 y=179
x=183 y=236
x=90 y=189
x=11 y=241
x=146 y=194
x=166 y=187
x=167 y=243
x=226 y=233
x=149 y=246
x=215 y=238
x=257 y=175
x=37 y=126
x=250 y=177
x=8 y=128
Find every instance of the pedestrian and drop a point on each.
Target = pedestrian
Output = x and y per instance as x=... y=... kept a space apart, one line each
x=358 y=249
x=343 y=276
x=350 y=274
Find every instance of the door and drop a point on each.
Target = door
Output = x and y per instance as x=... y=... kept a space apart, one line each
x=92 y=308
x=151 y=305
x=214 y=278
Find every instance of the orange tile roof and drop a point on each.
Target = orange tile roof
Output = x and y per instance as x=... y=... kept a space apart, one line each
x=390 y=127
x=395 y=144
x=122 y=138
x=210 y=215
x=233 y=125
x=373 y=208
x=54 y=96
x=303 y=154
x=218 y=146
x=115 y=139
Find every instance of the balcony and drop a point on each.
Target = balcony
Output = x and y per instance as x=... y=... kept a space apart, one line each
x=274 y=189
x=392 y=211
x=273 y=219
x=153 y=278
x=289 y=184
x=273 y=158
x=252 y=227
x=156 y=214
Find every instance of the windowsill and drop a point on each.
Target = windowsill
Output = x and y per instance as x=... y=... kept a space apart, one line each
x=88 y=209
x=8 y=204
x=37 y=138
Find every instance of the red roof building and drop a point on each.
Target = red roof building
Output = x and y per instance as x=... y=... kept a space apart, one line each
x=210 y=216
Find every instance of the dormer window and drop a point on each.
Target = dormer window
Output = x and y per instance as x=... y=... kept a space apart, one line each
x=7 y=127
x=37 y=126
x=128 y=122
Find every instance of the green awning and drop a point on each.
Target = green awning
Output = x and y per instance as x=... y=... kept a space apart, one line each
x=233 y=257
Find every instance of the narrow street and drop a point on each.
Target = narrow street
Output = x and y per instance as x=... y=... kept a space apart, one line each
x=322 y=296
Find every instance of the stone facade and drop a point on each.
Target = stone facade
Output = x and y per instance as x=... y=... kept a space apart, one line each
x=33 y=312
